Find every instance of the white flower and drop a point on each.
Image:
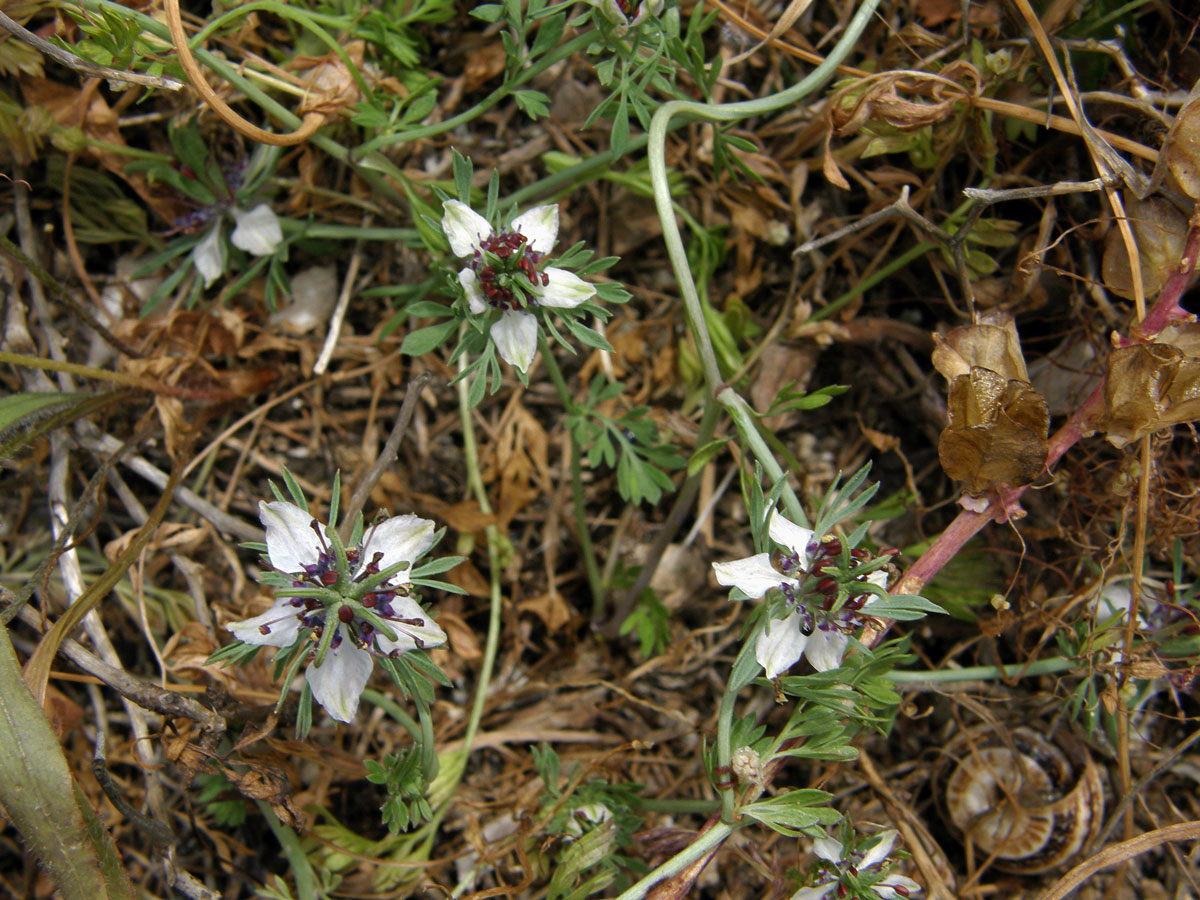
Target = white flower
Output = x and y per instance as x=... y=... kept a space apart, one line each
x=807 y=631
x=832 y=851
x=208 y=256
x=299 y=546
x=257 y=231
x=496 y=259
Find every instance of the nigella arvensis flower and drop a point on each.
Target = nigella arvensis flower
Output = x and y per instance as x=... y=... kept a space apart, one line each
x=352 y=603
x=812 y=628
x=841 y=865
x=257 y=232
x=506 y=274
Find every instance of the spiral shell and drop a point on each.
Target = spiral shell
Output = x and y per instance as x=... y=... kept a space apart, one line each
x=1028 y=803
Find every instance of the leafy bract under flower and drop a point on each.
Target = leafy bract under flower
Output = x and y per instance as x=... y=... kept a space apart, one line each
x=382 y=621
x=506 y=273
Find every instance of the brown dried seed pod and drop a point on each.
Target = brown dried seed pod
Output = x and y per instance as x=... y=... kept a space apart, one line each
x=1029 y=802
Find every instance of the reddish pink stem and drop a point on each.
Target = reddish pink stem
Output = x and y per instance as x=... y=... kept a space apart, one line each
x=967 y=524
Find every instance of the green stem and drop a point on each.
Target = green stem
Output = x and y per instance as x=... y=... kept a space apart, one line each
x=595 y=581
x=306 y=882
x=495 y=566
x=909 y=255
x=985 y=673
x=725 y=748
x=703 y=844
x=747 y=427
x=393 y=709
x=656 y=155
x=577 y=43
x=429 y=757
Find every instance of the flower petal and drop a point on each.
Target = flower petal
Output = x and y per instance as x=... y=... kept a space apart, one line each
x=470 y=285
x=539 y=226
x=886 y=889
x=814 y=893
x=566 y=290
x=208 y=256
x=429 y=633
x=781 y=645
x=281 y=622
x=784 y=531
x=399 y=539
x=825 y=649
x=829 y=849
x=881 y=850
x=754 y=575
x=515 y=336
x=257 y=231
x=464 y=228
x=337 y=684
x=291 y=541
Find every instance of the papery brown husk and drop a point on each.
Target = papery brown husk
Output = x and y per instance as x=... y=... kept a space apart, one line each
x=1149 y=387
x=992 y=343
x=1160 y=230
x=997 y=433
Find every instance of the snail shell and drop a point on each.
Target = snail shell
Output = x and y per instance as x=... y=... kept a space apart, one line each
x=1029 y=803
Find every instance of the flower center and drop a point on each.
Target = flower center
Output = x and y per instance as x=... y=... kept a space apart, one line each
x=313 y=613
x=499 y=265
x=817 y=612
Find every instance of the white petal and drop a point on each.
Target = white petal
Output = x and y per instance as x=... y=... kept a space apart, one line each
x=399 y=539
x=291 y=542
x=257 y=231
x=339 y=681
x=566 y=290
x=754 y=575
x=208 y=256
x=515 y=336
x=465 y=229
x=880 y=851
x=429 y=633
x=781 y=645
x=470 y=284
x=879 y=578
x=783 y=531
x=829 y=849
x=539 y=226
x=825 y=649
x=814 y=893
x=281 y=622
x=884 y=888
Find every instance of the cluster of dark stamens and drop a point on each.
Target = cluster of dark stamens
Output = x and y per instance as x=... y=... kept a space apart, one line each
x=515 y=256
x=323 y=573
x=824 y=563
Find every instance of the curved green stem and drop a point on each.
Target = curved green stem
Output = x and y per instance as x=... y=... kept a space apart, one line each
x=595 y=581
x=729 y=112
